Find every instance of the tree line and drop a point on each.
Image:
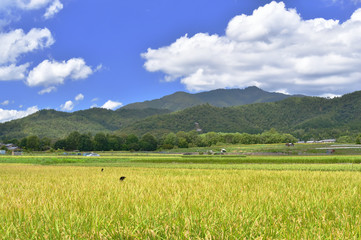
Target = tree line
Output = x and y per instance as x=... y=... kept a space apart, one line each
x=148 y=142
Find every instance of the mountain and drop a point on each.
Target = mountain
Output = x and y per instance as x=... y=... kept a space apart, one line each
x=301 y=116
x=55 y=124
x=218 y=98
x=304 y=117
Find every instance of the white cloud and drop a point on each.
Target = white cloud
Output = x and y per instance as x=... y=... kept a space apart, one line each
x=53 y=6
x=52 y=73
x=47 y=90
x=111 y=105
x=344 y=1
x=15 y=43
x=53 y=9
x=79 y=97
x=67 y=106
x=13 y=72
x=32 y=4
x=8 y=115
x=4 y=103
x=274 y=48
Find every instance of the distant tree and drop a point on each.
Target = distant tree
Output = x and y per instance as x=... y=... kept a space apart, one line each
x=33 y=143
x=85 y=142
x=211 y=138
x=345 y=139
x=72 y=141
x=13 y=141
x=23 y=142
x=182 y=139
x=236 y=138
x=228 y=138
x=60 y=144
x=148 y=142
x=115 y=142
x=170 y=140
x=182 y=142
x=288 y=138
x=194 y=139
x=101 y=142
x=45 y=144
x=132 y=142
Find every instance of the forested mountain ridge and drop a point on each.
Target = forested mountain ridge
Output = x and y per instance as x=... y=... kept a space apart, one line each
x=304 y=117
x=301 y=116
x=218 y=98
x=55 y=124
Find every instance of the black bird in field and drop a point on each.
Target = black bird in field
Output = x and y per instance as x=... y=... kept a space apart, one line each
x=122 y=178
x=102 y=169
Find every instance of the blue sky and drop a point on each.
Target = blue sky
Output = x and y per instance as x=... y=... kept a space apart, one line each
x=70 y=55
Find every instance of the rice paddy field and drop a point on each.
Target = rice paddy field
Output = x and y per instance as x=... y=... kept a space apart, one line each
x=172 y=196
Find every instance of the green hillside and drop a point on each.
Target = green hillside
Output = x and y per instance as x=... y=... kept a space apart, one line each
x=55 y=124
x=218 y=98
x=303 y=117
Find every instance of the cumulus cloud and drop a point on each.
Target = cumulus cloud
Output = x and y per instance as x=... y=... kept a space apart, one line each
x=52 y=6
x=15 y=43
x=111 y=105
x=13 y=72
x=32 y=4
x=67 y=106
x=79 y=97
x=52 y=73
x=53 y=9
x=274 y=48
x=8 y=115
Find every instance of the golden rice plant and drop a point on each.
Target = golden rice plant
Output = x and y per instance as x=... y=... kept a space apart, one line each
x=67 y=202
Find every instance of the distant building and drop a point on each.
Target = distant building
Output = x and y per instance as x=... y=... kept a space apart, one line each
x=17 y=153
x=14 y=148
x=323 y=141
x=2 y=152
x=328 y=140
x=91 y=154
x=10 y=146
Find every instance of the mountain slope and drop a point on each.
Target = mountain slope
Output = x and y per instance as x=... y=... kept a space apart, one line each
x=300 y=116
x=55 y=124
x=218 y=98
